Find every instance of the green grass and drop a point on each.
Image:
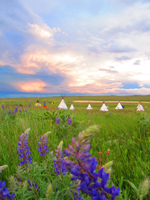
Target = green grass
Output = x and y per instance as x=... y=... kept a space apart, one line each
x=125 y=132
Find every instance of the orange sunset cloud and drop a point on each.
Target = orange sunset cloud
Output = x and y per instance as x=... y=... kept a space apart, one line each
x=32 y=86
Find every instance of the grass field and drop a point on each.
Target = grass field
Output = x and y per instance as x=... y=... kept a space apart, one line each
x=125 y=132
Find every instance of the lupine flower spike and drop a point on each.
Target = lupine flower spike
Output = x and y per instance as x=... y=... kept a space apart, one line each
x=43 y=148
x=3 y=167
x=84 y=168
x=3 y=107
x=23 y=148
x=16 y=109
x=29 y=105
x=69 y=121
x=59 y=161
x=33 y=185
x=4 y=192
x=49 y=191
x=57 y=120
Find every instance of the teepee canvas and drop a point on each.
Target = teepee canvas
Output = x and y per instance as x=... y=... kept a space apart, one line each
x=71 y=107
x=104 y=107
x=37 y=104
x=89 y=107
x=140 y=107
x=119 y=106
x=62 y=105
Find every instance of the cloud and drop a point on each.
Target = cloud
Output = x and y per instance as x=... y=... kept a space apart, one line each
x=123 y=58
x=108 y=70
x=82 y=46
x=21 y=27
x=33 y=86
x=137 y=62
x=12 y=80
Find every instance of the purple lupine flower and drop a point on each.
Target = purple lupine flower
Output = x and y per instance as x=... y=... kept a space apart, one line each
x=34 y=185
x=10 y=112
x=47 y=108
x=29 y=106
x=4 y=192
x=57 y=120
x=69 y=121
x=59 y=164
x=16 y=109
x=25 y=110
x=43 y=148
x=20 y=110
x=23 y=149
x=3 y=107
x=84 y=168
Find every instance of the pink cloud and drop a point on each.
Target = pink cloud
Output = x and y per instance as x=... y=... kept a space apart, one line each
x=32 y=86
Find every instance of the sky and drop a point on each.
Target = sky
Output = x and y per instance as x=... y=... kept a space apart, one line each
x=95 y=47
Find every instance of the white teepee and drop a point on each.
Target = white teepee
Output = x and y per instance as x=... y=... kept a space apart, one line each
x=62 y=105
x=71 y=107
x=119 y=106
x=89 y=107
x=140 y=107
x=104 y=107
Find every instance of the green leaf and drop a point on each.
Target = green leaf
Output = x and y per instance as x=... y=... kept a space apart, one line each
x=133 y=187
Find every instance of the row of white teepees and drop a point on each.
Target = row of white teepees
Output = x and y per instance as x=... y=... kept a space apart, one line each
x=63 y=105
x=103 y=108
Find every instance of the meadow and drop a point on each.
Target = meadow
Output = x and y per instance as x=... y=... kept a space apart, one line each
x=123 y=137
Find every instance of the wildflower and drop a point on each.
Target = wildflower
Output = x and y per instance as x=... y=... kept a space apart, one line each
x=3 y=167
x=43 y=148
x=29 y=105
x=34 y=185
x=12 y=183
x=10 y=112
x=69 y=121
x=144 y=188
x=20 y=110
x=100 y=166
x=4 y=192
x=84 y=168
x=107 y=167
x=16 y=109
x=23 y=149
x=57 y=120
x=99 y=152
x=25 y=110
x=49 y=191
x=3 y=107
x=108 y=151
x=59 y=164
